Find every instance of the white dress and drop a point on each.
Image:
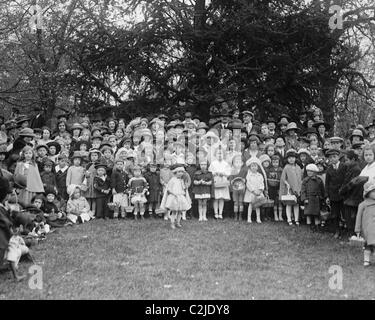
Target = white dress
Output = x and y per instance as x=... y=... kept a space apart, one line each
x=176 y=196
x=254 y=181
x=224 y=168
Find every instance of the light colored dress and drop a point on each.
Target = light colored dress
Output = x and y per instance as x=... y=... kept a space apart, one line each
x=176 y=196
x=78 y=208
x=221 y=167
x=254 y=182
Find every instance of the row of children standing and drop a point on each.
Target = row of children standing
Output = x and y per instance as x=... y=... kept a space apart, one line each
x=271 y=163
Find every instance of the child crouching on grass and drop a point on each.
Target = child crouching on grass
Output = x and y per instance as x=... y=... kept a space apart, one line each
x=365 y=221
x=78 y=208
x=175 y=197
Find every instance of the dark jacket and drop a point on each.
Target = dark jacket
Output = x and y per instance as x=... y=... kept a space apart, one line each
x=119 y=180
x=100 y=185
x=352 y=193
x=5 y=229
x=334 y=182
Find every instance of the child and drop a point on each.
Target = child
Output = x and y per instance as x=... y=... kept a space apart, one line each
x=42 y=154
x=76 y=173
x=202 y=189
x=61 y=171
x=365 y=221
x=108 y=158
x=221 y=170
x=78 y=209
x=153 y=179
x=254 y=187
x=6 y=226
x=335 y=176
x=138 y=188
x=47 y=176
x=54 y=216
x=312 y=195
x=291 y=179
x=175 y=198
x=165 y=175
x=273 y=182
x=119 y=181
x=102 y=185
x=27 y=175
x=90 y=193
x=238 y=185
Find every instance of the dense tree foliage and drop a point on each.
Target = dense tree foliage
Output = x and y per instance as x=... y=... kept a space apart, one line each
x=139 y=57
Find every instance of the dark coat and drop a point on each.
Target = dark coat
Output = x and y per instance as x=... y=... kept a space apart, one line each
x=155 y=187
x=334 y=182
x=352 y=193
x=61 y=184
x=119 y=180
x=312 y=190
x=5 y=229
x=100 y=184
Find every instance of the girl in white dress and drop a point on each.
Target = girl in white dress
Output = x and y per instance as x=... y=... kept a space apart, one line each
x=254 y=187
x=176 y=197
x=221 y=170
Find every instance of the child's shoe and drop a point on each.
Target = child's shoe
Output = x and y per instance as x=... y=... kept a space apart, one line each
x=220 y=216
x=249 y=221
x=297 y=223
x=178 y=225
x=173 y=226
x=259 y=221
x=276 y=218
x=290 y=223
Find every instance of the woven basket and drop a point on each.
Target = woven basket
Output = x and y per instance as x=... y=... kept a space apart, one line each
x=129 y=209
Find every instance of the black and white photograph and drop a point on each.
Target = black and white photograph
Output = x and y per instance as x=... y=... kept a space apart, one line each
x=201 y=152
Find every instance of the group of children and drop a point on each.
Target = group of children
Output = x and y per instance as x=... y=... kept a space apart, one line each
x=184 y=168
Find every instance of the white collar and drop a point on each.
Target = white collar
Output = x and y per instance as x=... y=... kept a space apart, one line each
x=57 y=168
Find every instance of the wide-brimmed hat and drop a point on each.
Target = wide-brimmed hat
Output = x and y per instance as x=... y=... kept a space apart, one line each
x=310 y=131
x=357 y=133
x=48 y=162
x=312 y=167
x=54 y=144
x=368 y=187
x=303 y=150
x=247 y=112
x=264 y=157
x=235 y=124
x=321 y=123
x=336 y=139
x=283 y=122
x=76 y=154
x=75 y=126
x=210 y=134
x=26 y=132
x=101 y=165
x=291 y=153
x=97 y=136
x=42 y=145
x=177 y=168
x=291 y=126
x=202 y=125
x=253 y=160
x=106 y=147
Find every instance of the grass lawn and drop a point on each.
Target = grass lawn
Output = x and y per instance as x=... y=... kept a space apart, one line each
x=212 y=260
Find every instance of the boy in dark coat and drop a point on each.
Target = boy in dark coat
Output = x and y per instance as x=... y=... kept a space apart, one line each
x=152 y=177
x=61 y=171
x=312 y=195
x=102 y=185
x=119 y=181
x=335 y=176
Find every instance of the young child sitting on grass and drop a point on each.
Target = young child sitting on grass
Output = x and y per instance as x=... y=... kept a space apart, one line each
x=78 y=209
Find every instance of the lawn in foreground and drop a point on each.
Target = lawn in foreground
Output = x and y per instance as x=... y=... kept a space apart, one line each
x=212 y=260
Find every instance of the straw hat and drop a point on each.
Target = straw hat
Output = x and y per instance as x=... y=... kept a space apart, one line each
x=312 y=167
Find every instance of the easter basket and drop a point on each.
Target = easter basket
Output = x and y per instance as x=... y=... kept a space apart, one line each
x=269 y=203
x=112 y=206
x=129 y=209
x=159 y=211
x=238 y=184
x=289 y=199
x=356 y=241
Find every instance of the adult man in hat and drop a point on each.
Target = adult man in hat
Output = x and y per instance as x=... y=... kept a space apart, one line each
x=336 y=142
x=247 y=118
x=222 y=125
x=335 y=176
x=301 y=120
x=23 y=121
